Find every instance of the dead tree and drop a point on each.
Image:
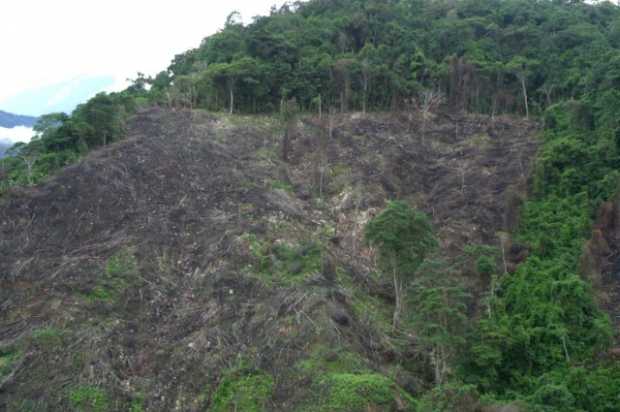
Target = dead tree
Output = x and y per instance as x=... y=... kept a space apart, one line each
x=427 y=102
x=29 y=161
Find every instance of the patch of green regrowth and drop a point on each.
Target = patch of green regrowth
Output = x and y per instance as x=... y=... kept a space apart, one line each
x=137 y=404
x=340 y=175
x=368 y=308
x=8 y=357
x=340 y=169
x=481 y=140
x=349 y=392
x=119 y=272
x=247 y=391
x=281 y=185
x=284 y=263
x=48 y=337
x=450 y=397
x=483 y=260
x=122 y=264
x=89 y=399
x=324 y=359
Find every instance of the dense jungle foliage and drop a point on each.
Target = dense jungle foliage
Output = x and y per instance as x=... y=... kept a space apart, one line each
x=540 y=341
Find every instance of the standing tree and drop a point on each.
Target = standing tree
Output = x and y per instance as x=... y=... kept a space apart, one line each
x=229 y=75
x=521 y=67
x=368 y=68
x=427 y=102
x=342 y=71
x=404 y=237
x=439 y=314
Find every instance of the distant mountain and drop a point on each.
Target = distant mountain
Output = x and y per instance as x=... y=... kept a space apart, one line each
x=10 y=120
x=59 y=97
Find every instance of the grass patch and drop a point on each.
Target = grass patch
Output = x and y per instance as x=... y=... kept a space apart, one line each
x=343 y=381
x=89 y=399
x=283 y=263
x=47 y=337
x=370 y=309
x=347 y=392
x=248 y=393
x=137 y=405
x=8 y=357
x=324 y=359
x=279 y=184
x=119 y=272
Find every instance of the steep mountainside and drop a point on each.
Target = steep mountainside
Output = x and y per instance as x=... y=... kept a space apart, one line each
x=204 y=263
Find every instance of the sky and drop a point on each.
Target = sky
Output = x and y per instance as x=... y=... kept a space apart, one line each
x=55 y=54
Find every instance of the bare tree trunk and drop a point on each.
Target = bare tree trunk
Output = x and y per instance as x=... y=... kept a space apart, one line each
x=548 y=90
x=29 y=162
x=365 y=99
x=566 y=355
x=527 y=108
x=347 y=92
x=396 y=316
x=232 y=98
x=436 y=365
x=321 y=178
x=397 y=296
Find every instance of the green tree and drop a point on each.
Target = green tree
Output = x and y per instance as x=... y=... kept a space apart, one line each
x=522 y=68
x=439 y=314
x=403 y=237
x=229 y=75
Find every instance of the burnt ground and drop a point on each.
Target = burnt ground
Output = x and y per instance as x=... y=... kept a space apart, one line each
x=600 y=261
x=163 y=268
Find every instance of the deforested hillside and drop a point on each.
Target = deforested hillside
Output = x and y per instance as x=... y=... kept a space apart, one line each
x=190 y=267
x=346 y=205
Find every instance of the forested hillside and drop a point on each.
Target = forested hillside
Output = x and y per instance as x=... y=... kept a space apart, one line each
x=347 y=205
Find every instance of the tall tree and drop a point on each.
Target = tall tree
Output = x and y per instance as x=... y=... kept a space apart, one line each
x=403 y=237
x=439 y=314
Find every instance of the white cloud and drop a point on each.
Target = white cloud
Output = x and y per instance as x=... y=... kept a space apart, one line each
x=47 y=42
x=16 y=134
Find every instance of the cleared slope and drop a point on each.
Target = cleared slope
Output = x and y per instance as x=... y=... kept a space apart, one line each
x=189 y=267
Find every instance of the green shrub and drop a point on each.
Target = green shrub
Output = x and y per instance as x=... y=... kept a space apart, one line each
x=119 y=272
x=47 y=337
x=8 y=357
x=284 y=263
x=281 y=185
x=248 y=393
x=346 y=392
x=89 y=399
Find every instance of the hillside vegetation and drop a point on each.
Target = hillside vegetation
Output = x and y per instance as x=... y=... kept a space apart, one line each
x=346 y=205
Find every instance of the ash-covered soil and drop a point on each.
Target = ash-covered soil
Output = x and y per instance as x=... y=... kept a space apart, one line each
x=189 y=262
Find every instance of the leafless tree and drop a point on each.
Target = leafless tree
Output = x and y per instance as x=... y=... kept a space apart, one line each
x=366 y=73
x=424 y=105
x=29 y=161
